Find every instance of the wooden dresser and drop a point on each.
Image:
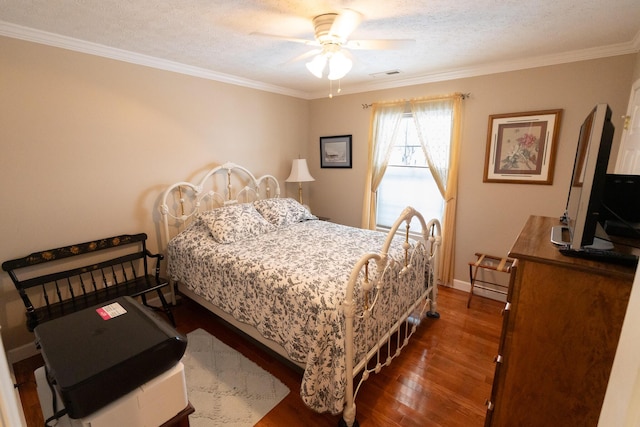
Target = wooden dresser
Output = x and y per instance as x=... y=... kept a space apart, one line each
x=560 y=331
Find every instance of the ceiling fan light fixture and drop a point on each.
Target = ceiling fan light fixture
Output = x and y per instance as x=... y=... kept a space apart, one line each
x=339 y=65
x=317 y=64
x=331 y=36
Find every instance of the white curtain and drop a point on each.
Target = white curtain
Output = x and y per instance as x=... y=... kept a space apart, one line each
x=442 y=150
x=383 y=131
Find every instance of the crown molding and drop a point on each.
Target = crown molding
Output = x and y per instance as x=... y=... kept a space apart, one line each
x=42 y=37
x=496 y=68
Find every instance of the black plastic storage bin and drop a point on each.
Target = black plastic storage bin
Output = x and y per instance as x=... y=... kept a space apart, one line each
x=96 y=355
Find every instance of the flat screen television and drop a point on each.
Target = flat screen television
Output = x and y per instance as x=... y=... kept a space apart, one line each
x=581 y=228
x=621 y=202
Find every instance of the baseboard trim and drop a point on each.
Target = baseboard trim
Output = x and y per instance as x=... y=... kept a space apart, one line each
x=466 y=287
x=461 y=285
x=20 y=353
x=28 y=350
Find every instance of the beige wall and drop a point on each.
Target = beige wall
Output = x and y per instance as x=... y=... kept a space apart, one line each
x=489 y=215
x=89 y=143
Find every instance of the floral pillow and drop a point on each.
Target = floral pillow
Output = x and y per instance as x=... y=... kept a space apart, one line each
x=231 y=223
x=282 y=212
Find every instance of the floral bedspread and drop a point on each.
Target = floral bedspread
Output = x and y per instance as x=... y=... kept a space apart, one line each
x=290 y=284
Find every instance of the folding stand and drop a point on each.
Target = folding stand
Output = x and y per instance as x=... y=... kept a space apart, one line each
x=489 y=262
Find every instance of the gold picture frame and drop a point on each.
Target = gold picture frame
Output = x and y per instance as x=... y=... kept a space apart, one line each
x=521 y=147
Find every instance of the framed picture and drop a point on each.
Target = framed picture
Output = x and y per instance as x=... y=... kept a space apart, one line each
x=335 y=151
x=521 y=147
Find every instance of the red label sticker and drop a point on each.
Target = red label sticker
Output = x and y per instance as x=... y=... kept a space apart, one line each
x=110 y=311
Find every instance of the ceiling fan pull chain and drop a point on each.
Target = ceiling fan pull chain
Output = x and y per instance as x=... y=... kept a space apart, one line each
x=331 y=87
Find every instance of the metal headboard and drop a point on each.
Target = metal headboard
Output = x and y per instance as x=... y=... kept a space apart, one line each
x=223 y=185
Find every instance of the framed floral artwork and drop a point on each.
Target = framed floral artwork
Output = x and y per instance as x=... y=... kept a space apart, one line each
x=521 y=147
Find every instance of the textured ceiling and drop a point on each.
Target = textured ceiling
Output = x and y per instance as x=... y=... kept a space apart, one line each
x=212 y=38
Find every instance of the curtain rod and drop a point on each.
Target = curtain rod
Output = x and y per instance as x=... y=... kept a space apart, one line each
x=462 y=95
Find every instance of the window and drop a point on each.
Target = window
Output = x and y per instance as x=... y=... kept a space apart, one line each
x=408 y=181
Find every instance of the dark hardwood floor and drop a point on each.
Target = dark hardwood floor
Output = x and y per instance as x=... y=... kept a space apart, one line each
x=441 y=379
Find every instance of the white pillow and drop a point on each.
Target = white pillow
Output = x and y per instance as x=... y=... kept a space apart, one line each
x=231 y=223
x=282 y=212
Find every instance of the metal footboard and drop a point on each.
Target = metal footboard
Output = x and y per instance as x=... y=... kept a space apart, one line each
x=364 y=302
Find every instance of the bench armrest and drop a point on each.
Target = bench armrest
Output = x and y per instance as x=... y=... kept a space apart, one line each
x=159 y=258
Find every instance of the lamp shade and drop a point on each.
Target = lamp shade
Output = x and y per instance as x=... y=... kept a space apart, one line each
x=339 y=65
x=299 y=171
x=338 y=61
x=317 y=64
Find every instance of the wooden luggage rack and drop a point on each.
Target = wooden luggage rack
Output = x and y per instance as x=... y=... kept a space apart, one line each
x=489 y=262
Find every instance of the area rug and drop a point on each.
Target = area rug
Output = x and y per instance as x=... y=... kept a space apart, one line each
x=226 y=388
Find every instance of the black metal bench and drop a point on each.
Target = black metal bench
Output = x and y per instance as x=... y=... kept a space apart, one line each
x=86 y=274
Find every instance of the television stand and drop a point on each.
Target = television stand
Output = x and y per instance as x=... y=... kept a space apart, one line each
x=558 y=234
x=600 y=245
x=609 y=256
x=561 y=236
x=586 y=302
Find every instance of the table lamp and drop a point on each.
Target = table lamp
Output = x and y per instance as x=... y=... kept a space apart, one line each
x=299 y=173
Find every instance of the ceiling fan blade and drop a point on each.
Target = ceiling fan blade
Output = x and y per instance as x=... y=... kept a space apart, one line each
x=380 y=44
x=291 y=39
x=304 y=56
x=345 y=23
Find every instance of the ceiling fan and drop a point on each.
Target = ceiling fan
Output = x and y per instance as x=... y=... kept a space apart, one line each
x=332 y=31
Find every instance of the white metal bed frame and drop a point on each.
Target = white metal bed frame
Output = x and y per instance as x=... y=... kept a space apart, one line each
x=183 y=200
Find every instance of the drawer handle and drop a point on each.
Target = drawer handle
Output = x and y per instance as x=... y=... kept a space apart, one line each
x=498 y=359
x=489 y=405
